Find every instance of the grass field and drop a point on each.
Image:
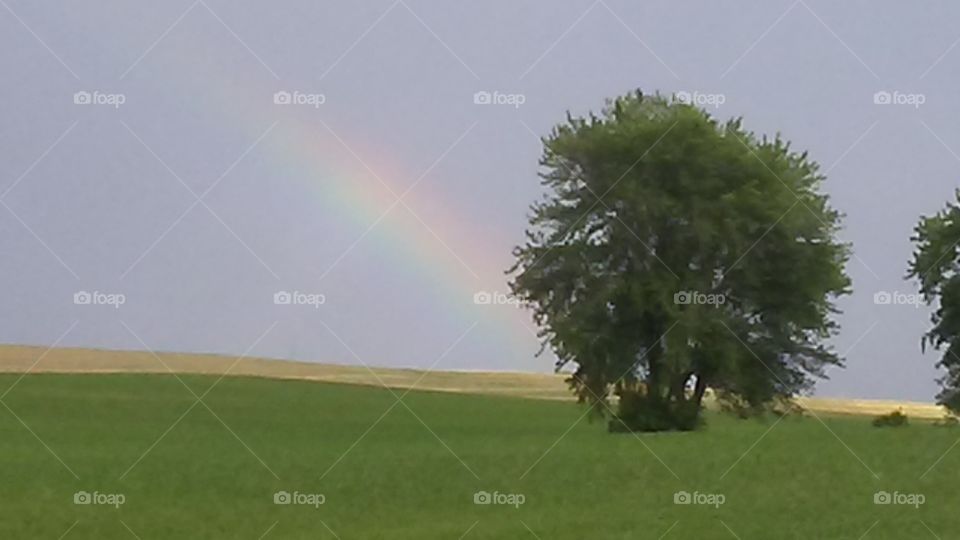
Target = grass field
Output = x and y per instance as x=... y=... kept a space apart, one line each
x=21 y=359
x=410 y=469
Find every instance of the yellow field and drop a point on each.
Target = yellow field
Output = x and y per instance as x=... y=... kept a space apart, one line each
x=20 y=359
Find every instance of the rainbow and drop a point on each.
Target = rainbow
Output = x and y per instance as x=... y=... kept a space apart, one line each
x=358 y=190
x=458 y=270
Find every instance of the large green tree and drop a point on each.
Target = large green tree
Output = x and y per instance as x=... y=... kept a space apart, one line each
x=936 y=265
x=673 y=253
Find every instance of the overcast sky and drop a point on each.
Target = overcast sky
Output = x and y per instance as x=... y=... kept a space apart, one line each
x=145 y=152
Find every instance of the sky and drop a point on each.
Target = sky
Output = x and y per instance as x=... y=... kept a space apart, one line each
x=344 y=181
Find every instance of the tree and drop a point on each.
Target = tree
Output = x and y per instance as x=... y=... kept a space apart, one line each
x=936 y=265
x=672 y=254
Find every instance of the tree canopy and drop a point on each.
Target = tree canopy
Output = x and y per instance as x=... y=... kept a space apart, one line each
x=936 y=265
x=673 y=253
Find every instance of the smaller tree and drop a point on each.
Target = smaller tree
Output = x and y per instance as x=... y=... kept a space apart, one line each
x=936 y=265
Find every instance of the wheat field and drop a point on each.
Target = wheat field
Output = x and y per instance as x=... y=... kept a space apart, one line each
x=32 y=359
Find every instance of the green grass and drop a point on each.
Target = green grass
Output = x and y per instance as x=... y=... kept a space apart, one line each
x=402 y=479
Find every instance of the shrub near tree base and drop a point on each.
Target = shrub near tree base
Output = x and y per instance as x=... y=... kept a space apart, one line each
x=638 y=411
x=674 y=253
x=894 y=419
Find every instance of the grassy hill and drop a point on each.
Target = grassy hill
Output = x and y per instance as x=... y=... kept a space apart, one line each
x=157 y=462
x=19 y=359
x=384 y=468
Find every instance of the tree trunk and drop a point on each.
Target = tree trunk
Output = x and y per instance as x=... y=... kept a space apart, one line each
x=699 y=389
x=653 y=371
x=678 y=389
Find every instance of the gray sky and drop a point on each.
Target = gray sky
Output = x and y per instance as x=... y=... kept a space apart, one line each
x=302 y=196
